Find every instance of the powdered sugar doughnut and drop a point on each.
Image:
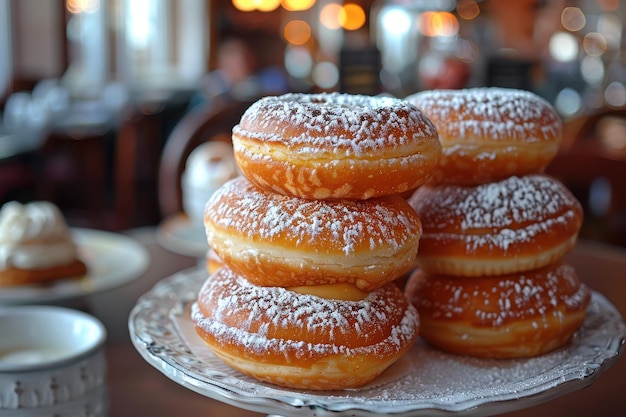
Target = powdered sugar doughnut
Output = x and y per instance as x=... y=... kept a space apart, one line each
x=488 y=134
x=303 y=341
x=516 y=224
x=277 y=240
x=510 y=316
x=335 y=146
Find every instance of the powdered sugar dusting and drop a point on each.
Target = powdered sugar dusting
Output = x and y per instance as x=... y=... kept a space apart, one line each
x=357 y=124
x=499 y=300
x=340 y=225
x=512 y=210
x=428 y=382
x=269 y=311
x=494 y=113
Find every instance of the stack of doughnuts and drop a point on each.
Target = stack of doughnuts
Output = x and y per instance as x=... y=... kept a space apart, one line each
x=490 y=278
x=311 y=238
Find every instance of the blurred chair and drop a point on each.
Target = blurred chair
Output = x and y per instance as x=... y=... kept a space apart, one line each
x=592 y=164
x=138 y=148
x=206 y=123
x=75 y=164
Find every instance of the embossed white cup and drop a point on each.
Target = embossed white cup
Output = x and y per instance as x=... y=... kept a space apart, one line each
x=51 y=363
x=207 y=168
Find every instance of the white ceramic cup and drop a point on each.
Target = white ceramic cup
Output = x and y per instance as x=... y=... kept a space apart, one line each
x=207 y=168
x=51 y=358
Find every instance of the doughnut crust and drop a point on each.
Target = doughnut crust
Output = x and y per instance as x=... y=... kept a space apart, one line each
x=13 y=276
x=488 y=134
x=512 y=316
x=335 y=146
x=213 y=262
x=276 y=240
x=303 y=341
x=516 y=224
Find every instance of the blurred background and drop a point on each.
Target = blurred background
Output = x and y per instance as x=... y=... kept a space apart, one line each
x=102 y=101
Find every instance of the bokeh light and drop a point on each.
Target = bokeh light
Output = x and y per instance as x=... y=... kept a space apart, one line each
x=326 y=75
x=573 y=19
x=611 y=27
x=592 y=69
x=329 y=16
x=352 y=16
x=395 y=21
x=244 y=5
x=297 y=32
x=261 y=5
x=467 y=9
x=563 y=47
x=615 y=94
x=594 y=43
x=438 y=24
x=297 y=5
x=82 y=6
x=568 y=102
x=298 y=61
x=267 y=5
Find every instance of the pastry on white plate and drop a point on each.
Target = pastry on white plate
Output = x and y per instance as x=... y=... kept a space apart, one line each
x=36 y=245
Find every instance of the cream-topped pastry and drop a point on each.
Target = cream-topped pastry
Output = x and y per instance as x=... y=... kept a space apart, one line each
x=36 y=244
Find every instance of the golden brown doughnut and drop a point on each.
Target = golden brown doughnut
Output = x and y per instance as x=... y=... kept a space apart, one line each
x=488 y=134
x=335 y=146
x=519 y=315
x=277 y=240
x=516 y=224
x=303 y=341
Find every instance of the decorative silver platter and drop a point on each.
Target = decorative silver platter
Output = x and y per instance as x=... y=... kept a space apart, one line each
x=426 y=382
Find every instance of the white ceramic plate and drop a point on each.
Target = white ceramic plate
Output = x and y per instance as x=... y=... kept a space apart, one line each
x=426 y=382
x=179 y=235
x=112 y=260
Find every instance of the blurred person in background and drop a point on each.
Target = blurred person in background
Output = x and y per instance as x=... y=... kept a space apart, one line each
x=240 y=76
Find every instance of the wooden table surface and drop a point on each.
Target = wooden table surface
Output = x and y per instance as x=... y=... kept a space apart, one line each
x=138 y=389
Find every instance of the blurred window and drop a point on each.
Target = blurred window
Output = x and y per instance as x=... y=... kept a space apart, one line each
x=163 y=43
x=6 y=63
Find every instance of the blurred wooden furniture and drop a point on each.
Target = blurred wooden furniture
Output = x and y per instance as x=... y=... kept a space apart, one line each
x=211 y=122
x=74 y=167
x=592 y=164
x=17 y=179
x=138 y=147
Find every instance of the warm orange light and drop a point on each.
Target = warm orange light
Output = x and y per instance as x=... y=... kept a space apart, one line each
x=467 y=9
x=244 y=5
x=297 y=32
x=297 y=5
x=608 y=5
x=329 y=16
x=82 y=6
x=352 y=16
x=261 y=5
x=267 y=5
x=438 y=24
